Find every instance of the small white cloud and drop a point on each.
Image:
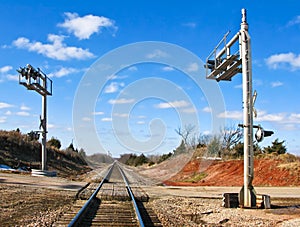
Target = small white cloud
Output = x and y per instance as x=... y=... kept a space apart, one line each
x=63 y=72
x=141 y=122
x=207 y=109
x=193 y=67
x=190 y=25
x=8 y=113
x=235 y=115
x=24 y=108
x=295 y=21
x=284 y=60
x=113 y=87
x=56 y=49
x=5 y=69
x=276 y=84
x=157 y=54
x=84 y=27
x=133 y=69
x=142 y=117
x=51 y=126
x=120 y=101
x=106 y=119
x=239 y=86
x=12 y=77
x=5 y=105
x=168 y=69
x=121 y=114
x=23 y=114
x=2 y=119
x=98 y=113
x=189 y=110
x=86 y=119
x=175 y=104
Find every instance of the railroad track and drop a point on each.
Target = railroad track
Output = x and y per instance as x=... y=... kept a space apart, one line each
x=112 y=202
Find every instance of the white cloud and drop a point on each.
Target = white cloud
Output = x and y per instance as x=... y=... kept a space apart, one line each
x=84 y=27
x=295 y=21
x=157 y=54
x=121 y=114
x=141 y=122
x=23 y=114
x=168 y=69
x=236 y=115
x=51 y=126
x=133 y=69
x=284 y=60
x=193 y=67
x=56 y=49
x=120 y=101
x=63 y=72
x=5 y=105
x=276 y=84
x=24 y=108
x=190 y=24
x=8 y=113
x=207 y=109
x=86 y=119
x=106 y=119
x=175 y=104
x=189 y=110
x=98 y=113
x=113 y=87
x=2 y=119
x=5 y=69
x=12 y=77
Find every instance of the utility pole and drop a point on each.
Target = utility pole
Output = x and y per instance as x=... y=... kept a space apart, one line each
x=36 y=80
x=223 y=65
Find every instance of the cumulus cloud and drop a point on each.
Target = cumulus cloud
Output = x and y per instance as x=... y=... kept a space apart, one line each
x=193 y=67
x=121 y=114
x=276 y=84
x=5 y=105
x=120 y=101
x=63 y=72
x=56 y=49
x=86 y=119
x=207 y=109
x=168 y=69
x=24 y=107
x=23 y=114
x=294 y=21
x=284 y=60
x=106 y=119
x=175 y=104
x=98 y=113
x=190 y=24
x=5 y=69
x=235 y=115
x=3 y=119
x=84 y=27
x=157 y=54
x=113 y=87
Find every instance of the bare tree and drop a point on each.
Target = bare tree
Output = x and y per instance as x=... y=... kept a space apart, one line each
x=185 y=133
x=231 y=136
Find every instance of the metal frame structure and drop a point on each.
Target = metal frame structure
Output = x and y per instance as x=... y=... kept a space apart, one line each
x=38 y=81
x=223 y=65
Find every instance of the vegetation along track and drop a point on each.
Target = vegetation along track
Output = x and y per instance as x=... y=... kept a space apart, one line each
x=113 y=202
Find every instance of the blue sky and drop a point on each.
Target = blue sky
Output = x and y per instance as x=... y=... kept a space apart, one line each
x=67 y=39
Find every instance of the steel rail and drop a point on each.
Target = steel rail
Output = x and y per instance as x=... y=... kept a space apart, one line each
x=77 y=218
x=137 y=212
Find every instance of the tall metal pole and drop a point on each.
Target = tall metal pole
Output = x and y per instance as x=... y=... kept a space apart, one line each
x=44 y=133
x=249 y=199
